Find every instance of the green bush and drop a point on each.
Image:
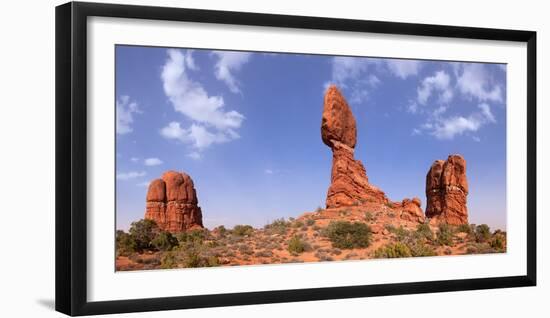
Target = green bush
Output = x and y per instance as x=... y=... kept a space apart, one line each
x=498 y=242
x=464 y=228
x=168 y=261
x=297 y=245
x=420 y=249
x=125 y=243
x=242 y=230
x=482 y=233
x=310 y=222
x=165 y=241
x=143 y=232
x=445 y=234
x=193 y=237
x=395 y=250
x=424 y=231
x=194 y=258
x=347 y=235
x=279 y=226
x=369 y=217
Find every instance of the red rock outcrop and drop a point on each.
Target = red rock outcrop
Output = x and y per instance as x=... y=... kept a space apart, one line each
x=446 y=191
x=349 y=182
x=172 y=203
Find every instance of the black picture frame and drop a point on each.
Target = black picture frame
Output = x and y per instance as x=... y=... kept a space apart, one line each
x=71 y=157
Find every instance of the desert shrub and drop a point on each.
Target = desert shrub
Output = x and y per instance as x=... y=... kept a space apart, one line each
x=168 y=260
x=143 y=232
x=193 y=258
x=297 y=245
x=221 y=230
x=479 y=248
x=498 y=242
x=298 y=224
x=279 y=226
x=420 y=249
x=164 y=241
x=264 y=253
x=336 y=251
x=347 y=235
x=245 y=249
x=424 y=231
x=394 y=250
x=242 y=230
x=125 y=243
x=401 y=233
x=445 y=234
x=464 y=228
x=482 y=233
x=310 y=222
x=369 y=217
x=193 y=237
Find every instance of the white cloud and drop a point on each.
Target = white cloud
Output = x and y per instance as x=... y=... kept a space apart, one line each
x=268 y=171
x=475 y=81
x=191 y=99
x=152 y=162
x=450 y=127
x=197 y=135
x=210 y=122
x=486 y=111
x=351 y=74
x=134 y=159
x=130 y=175
x=228 y=63
x=125 y=110
x=143 y=184
x=438 y=84
x=403 y=68
x=194 y=155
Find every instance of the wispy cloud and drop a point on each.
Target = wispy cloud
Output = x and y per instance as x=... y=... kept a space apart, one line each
x=198 y=135
x=152 y=162
x=134 y=159
x=210 y=122
x=143 y=184
x=130 y=175
x=475 y=81
x=230 y=62
x=125 y=110
x=268 y=171
x=404 y=68
x=438 y=85
x=449 y=127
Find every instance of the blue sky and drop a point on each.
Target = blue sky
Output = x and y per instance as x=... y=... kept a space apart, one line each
x=246 y=127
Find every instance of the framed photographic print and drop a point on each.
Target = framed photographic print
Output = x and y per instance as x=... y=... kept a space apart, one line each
x=210 y=158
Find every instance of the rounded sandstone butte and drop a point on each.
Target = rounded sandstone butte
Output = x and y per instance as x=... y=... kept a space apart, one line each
x=338 y=123
x=179 y=187
x=157 y=191
x=172 y=203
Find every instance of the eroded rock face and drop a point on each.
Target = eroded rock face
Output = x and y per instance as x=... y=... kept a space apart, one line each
x=349 y=182
x=446 y=191
x=172 y=203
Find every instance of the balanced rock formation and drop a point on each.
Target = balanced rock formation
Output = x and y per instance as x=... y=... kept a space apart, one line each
x=172 y=203
x=349 y=182
x=446 y=191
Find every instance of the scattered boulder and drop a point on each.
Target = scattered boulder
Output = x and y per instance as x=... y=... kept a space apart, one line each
x=446 y=191
x=172 y=203
x=349 y=182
